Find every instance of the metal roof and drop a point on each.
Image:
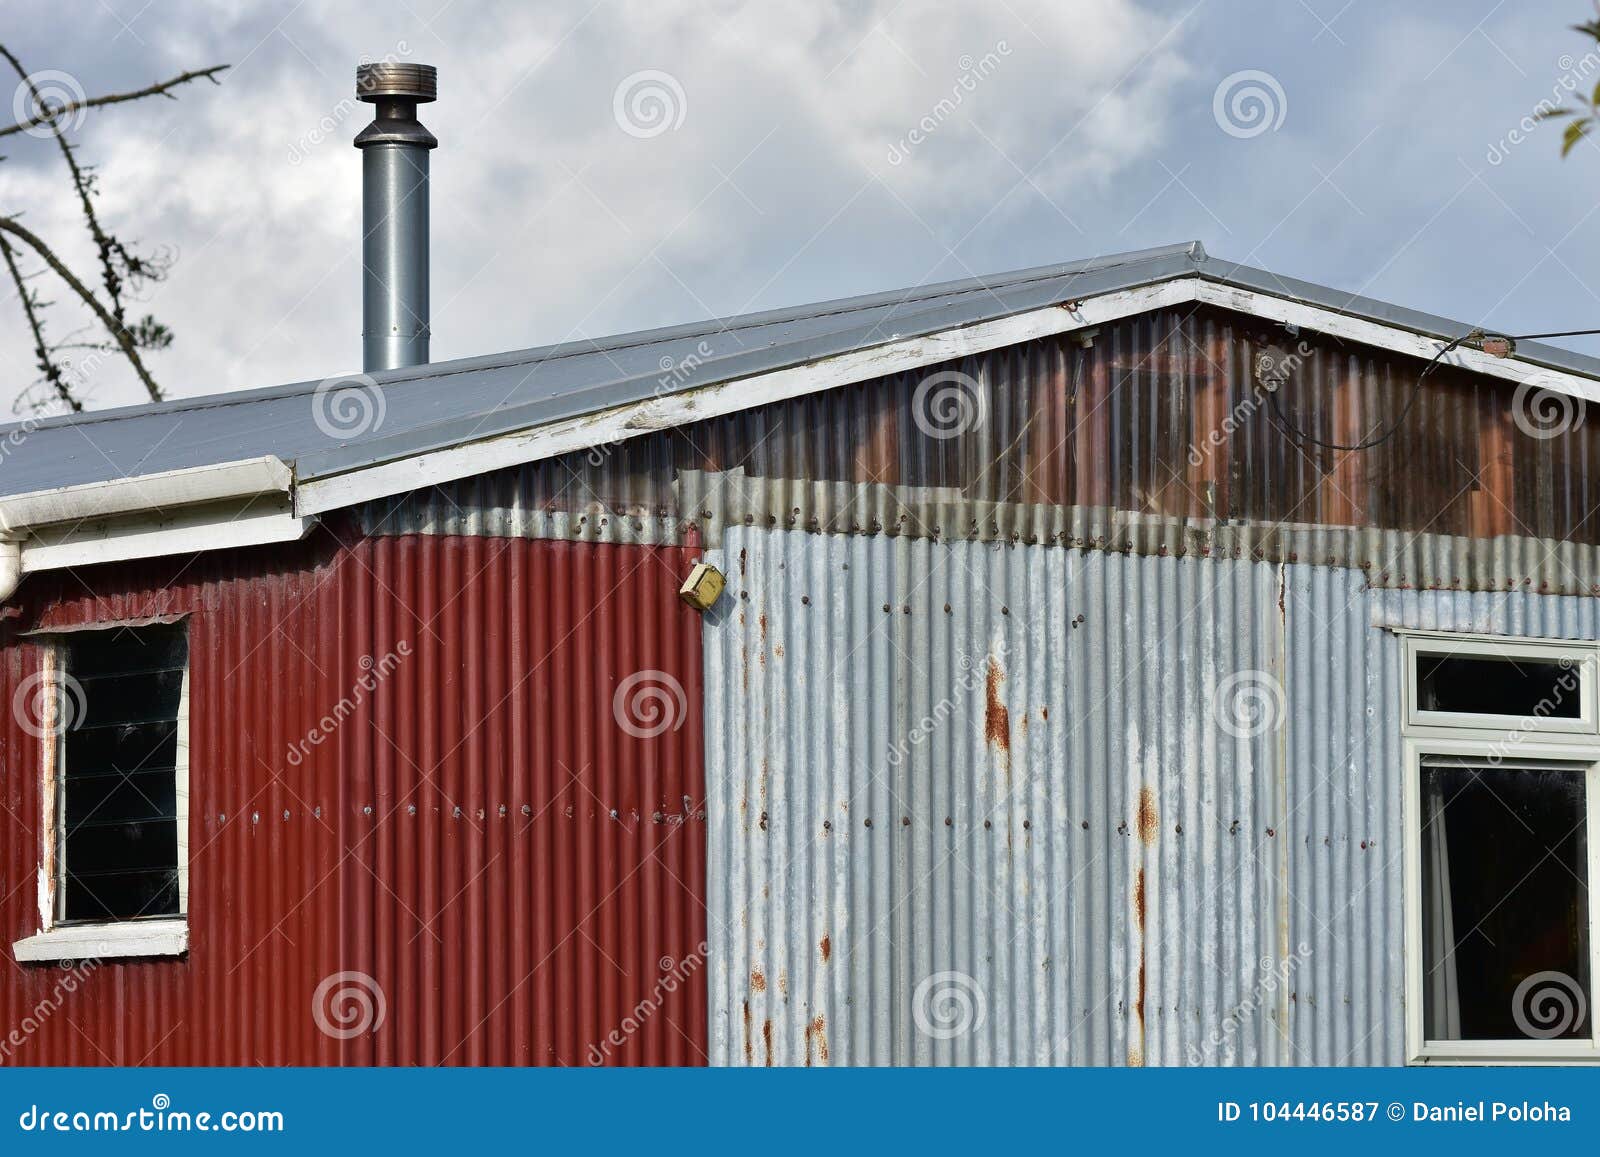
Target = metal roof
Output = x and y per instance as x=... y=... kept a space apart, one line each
x=446 y=404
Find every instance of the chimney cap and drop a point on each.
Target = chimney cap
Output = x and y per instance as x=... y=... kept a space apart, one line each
x=385 y=80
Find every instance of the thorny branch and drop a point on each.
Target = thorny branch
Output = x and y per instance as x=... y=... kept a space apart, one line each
x=120 y=266
x=67 y=108
x=123 y=338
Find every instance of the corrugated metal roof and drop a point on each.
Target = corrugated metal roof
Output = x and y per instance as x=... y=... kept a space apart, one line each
x=448 y=403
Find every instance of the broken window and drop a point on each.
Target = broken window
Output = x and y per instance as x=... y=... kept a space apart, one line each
x=122 y=778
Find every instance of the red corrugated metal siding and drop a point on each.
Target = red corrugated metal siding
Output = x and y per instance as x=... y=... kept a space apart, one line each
x=478 y=835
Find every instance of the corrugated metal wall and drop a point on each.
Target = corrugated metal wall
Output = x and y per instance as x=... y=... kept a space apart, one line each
x=984 y=804
x=476 y=835
x=1157 y=438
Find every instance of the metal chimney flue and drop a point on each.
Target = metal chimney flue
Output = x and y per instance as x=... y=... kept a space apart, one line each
x=394 y=214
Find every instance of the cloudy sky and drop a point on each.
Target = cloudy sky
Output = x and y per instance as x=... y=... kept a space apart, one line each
x=1379 y=158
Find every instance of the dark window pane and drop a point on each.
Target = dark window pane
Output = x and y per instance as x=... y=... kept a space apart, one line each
x=124 y=895
x=1485 y=685
x=1505 y=903
x=119 y=842
x=112 y=797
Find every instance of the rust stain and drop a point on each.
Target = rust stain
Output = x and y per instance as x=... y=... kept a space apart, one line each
x=996 y=719
x=749 y=1049
x=766 y=1035
x=758 y=980
x=1136 y=1047
x=827 y=948
x=817 y=1031
x=1149 y=817
x=783 y=983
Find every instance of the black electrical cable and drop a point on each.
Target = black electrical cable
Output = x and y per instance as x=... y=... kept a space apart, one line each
x=1299 y=435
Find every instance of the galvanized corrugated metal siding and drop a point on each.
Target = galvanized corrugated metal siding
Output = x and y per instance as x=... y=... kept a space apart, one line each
x=477 y=835
x=1157 y=438
x=997 y=763
x=1039 y=778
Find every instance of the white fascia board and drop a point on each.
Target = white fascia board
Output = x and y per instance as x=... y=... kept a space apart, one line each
x=130 y=938
x=1326 y=321
x=620 y=423
x=169 y=489
x=212 y=527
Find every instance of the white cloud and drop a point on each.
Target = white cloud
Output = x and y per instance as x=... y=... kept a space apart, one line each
x=548 y=220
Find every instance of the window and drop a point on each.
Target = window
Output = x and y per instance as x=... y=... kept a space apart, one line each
x=117 y=793
x=1502 y=772
x=1509 y=685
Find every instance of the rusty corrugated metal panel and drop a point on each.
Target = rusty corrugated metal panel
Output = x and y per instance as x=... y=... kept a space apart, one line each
x=1106 y=446
x=945 y=778
x=476 y=833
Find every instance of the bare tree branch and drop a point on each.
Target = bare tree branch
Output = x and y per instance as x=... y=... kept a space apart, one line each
x=107 y=248
x=118 y=332
x=44 y=116
x=41 y=348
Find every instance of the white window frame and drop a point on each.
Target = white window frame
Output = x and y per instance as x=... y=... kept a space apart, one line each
x=1509 y=738
x=109 y=939
x=1582 y=657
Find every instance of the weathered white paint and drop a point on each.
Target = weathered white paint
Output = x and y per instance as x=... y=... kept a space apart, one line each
x=148 y=492
x=105 y=941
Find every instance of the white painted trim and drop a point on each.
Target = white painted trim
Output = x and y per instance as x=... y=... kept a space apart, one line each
x=1325 y=321
x=172 y=488
x=105 y=941
x=180 y=532
x=620 y=423
x=1578 y=656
